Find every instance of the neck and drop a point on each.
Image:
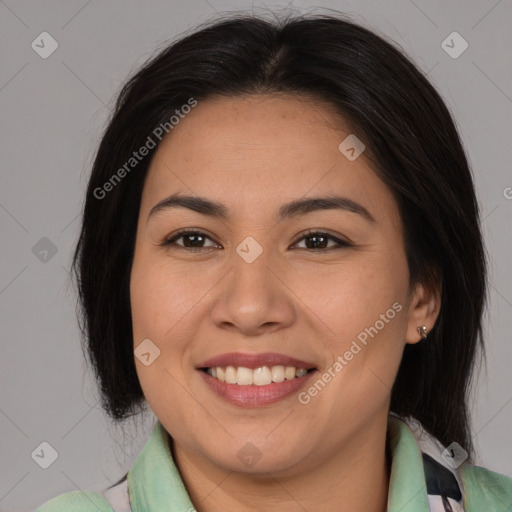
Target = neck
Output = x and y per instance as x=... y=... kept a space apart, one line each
x=353 y=478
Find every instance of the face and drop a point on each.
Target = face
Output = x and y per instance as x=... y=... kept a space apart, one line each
x=273 y=333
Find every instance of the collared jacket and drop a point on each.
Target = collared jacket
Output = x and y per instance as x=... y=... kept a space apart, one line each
x=425 y=477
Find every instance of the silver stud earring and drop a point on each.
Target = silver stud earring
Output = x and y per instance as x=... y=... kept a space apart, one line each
x=423 y=332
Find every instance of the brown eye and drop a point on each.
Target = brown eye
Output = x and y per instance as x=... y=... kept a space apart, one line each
x=316 y=241
x=192 y=240
x=319 y=241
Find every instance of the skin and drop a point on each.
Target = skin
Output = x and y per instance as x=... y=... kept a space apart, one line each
x=253 y=154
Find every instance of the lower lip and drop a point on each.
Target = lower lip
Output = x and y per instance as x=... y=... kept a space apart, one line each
x=252 y=395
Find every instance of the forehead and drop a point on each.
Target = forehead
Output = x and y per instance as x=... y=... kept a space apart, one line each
x=270 y=125
x=261 y=150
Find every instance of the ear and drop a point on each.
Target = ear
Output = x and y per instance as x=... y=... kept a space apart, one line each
x=423 y=310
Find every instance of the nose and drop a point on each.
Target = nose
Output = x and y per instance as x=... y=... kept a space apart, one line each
x=253 y=298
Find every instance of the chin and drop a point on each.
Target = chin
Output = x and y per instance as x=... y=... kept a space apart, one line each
x=243 y=456
x=259 y=466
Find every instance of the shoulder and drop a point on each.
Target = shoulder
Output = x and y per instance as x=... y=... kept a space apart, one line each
x=76 y=501
x=486 y=489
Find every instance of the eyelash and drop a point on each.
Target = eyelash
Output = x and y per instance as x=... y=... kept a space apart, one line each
x=170 y=241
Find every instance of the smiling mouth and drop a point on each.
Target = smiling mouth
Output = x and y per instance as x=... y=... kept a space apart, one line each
x=260 y=376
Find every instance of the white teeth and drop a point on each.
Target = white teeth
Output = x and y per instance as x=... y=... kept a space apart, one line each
x=231 y=375
x=259 y=376
x=289 y=373
x=243 y=376
x=277 y=373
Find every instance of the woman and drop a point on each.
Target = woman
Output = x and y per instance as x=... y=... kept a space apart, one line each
x=280 y=254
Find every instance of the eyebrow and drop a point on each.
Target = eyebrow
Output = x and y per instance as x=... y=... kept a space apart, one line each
x=289 y=210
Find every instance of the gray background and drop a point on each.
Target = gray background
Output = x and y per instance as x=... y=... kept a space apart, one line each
x=53 y=112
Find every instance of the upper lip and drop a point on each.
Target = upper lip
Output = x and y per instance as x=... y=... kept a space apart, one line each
x=254 y=360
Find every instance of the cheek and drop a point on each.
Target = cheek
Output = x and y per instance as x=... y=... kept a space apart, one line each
x=157 y=306
x=352 y=297
x=161 y=297
x=364 y=305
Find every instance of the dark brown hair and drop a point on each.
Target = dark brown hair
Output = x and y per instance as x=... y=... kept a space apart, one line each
x=414 y=144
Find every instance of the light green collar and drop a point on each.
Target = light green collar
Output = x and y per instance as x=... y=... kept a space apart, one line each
x=155 y=482
x=407 y=486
